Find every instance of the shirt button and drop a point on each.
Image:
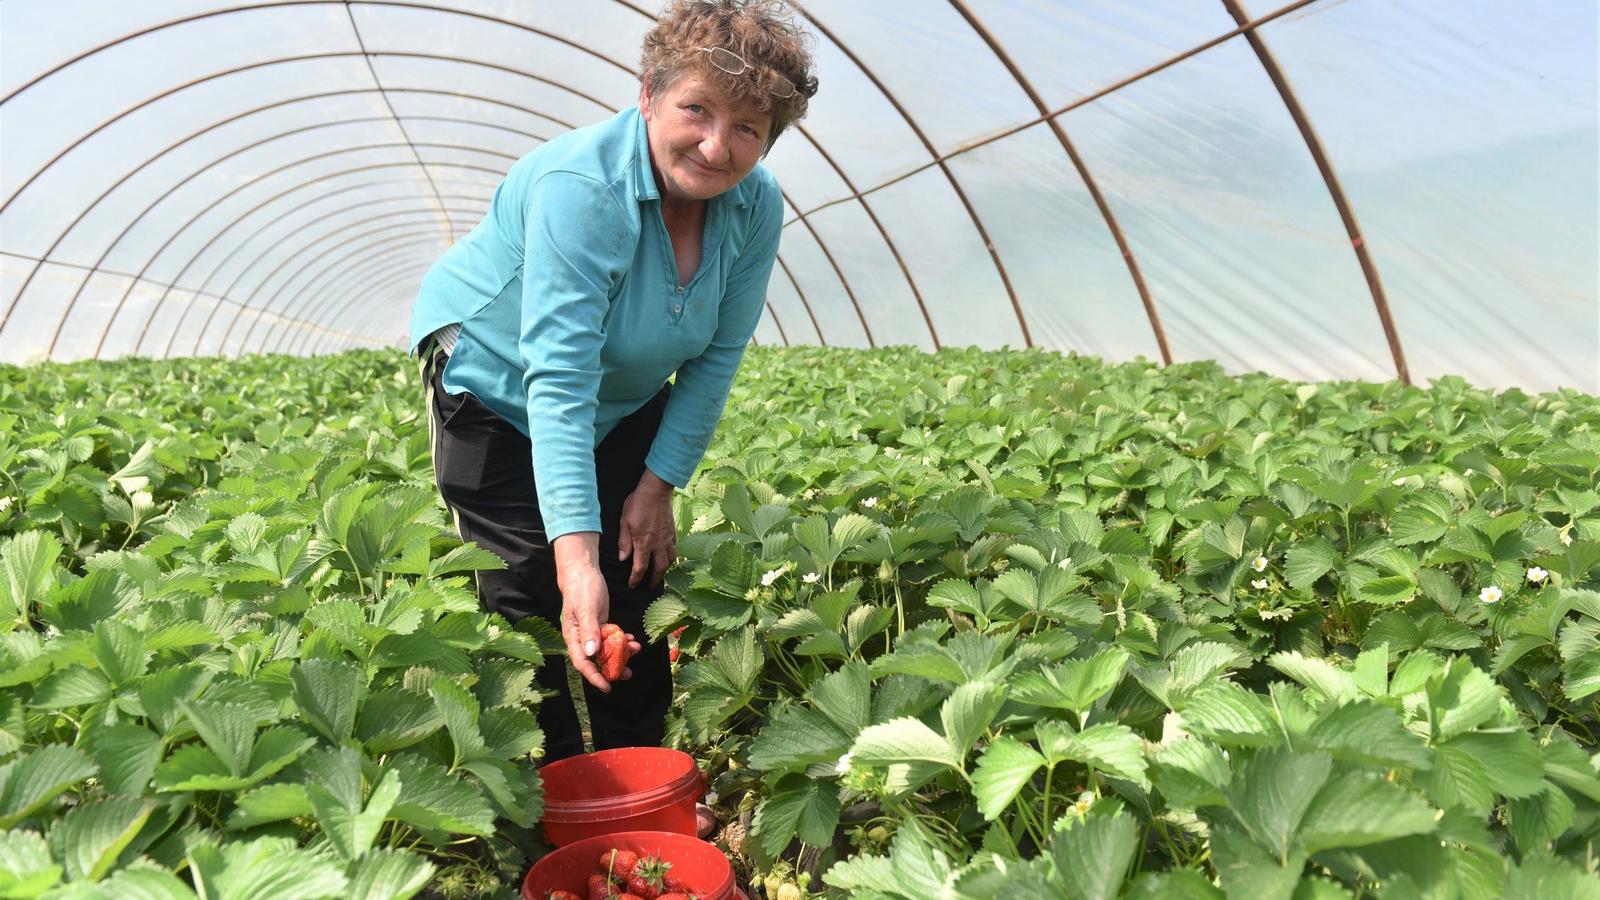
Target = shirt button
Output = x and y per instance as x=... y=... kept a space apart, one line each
x=680 y=290
x=677 y=308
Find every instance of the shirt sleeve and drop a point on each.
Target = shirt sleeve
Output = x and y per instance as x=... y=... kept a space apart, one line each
x=695 y=404
x=575 y=250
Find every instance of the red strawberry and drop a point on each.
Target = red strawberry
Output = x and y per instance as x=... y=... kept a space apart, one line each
x=648 y=877
x=673 y=895
x=618 y=863
x=563 y=895
x=672 y=655
x=600 y=888
x=631 y=897
x=678 y=632
x=613 y=651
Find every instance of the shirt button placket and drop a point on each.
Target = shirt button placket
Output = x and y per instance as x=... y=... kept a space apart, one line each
x=677 y=308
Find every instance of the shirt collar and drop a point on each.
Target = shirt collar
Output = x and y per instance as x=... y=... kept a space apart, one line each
x=644 y=180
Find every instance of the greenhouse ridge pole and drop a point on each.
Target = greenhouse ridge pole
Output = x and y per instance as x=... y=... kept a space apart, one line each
x=1083 y=172
x=361 y=44
x=1335 y=189
x=955 y=184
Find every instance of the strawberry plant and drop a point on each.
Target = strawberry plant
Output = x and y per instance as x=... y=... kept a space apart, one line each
x=974 y=623
x=957 y=625
x=239 y=651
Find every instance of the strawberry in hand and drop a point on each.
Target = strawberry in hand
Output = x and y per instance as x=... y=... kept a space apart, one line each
x=614 y=651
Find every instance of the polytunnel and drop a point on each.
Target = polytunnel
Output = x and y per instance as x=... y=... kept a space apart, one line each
x=1369 y=189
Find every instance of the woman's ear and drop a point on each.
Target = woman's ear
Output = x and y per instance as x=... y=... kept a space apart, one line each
x=644 y=99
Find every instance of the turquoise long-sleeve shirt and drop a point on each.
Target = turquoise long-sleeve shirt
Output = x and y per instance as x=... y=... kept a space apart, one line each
x=571 y=314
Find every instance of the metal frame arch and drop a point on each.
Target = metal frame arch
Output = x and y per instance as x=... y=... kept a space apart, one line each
x=329 y=234
x=778 y=323
x=1083 y=173
x=273 y=199
x=279 y=61
x=4 y=319
x=801 y=215
x=292 y=276
x=309 y=329
x=152 y=205
x=1085 y=100
x=112 y=246
x=340 y=285
x=427 y=176
x=366 y=55
x=1347 y=214
x=955 y=183
x=355 y=296
x=405 y=240
x=314 y=157
x=376 y=288
x=314 y=328
x=811 y=314
x=157 y=254
x=167 y=351
x=309 y=306
x=219 y=299
x=454 y=94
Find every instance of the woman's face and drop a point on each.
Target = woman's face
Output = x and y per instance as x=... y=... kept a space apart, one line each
x=701 y=144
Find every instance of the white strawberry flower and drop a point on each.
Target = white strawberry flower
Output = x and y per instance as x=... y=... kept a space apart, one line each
x=1491 y=595
x=811 y=577
x=770 y=577
x=1259 y=584
x=843 y=765
x=891 y=452
x=1537 y=575
x=1259 y=564
x=870 y=502
x=1065 y=564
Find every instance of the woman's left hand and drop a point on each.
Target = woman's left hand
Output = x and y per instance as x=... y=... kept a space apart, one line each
x=649 y=534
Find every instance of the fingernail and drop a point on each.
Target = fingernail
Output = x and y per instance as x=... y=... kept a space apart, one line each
x=588 y=648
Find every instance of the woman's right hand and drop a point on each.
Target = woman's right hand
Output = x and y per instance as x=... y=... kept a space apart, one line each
x=585 y=603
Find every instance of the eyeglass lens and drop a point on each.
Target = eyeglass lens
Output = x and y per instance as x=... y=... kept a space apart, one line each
x=734 y=64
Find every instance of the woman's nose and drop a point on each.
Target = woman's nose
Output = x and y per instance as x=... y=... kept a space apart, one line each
x=714 y=146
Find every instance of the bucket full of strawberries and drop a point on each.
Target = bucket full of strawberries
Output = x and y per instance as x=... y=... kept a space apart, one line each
x=632 y=865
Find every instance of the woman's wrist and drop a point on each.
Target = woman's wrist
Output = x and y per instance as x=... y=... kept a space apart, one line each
x=651 y=483
x=577 y=550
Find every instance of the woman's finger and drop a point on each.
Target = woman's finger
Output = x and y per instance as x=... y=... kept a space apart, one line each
x=641 y=566
x=661 y=561
x=582 y=663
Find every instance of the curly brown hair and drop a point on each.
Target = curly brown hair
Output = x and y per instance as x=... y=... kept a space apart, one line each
x=759 y=31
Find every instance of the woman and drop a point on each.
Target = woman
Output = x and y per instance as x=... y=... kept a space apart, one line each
x=610 y=258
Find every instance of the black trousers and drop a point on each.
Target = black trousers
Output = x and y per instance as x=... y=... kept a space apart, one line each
x=484 y=469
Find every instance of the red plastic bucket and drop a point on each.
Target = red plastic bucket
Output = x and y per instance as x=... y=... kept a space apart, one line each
x=627 y=789
x=703 y=868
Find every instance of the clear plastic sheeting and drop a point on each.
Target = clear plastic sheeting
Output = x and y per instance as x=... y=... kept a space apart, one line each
x=1320 y=189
